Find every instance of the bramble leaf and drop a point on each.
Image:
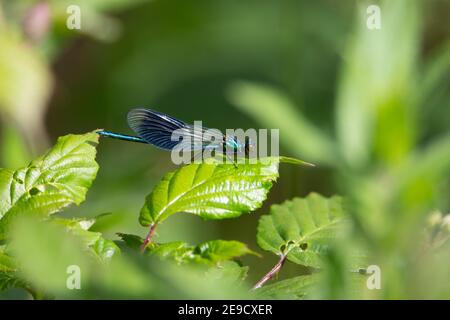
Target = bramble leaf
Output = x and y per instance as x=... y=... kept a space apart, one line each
x=57 y=179
x=302 y=228
x=212 y=190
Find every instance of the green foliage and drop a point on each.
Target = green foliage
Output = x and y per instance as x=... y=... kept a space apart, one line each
x=39 y=244
x=375 y=119
x=26 y=88
x=209 y=253
x=302 y=229
x=62 y=176
x=36 y=254
x=280 y=112
x=292 y=288
x=230 y=271
x=57 y=179
x=210 y=190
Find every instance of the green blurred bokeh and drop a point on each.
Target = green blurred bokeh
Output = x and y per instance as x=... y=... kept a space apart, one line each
x=370 y=107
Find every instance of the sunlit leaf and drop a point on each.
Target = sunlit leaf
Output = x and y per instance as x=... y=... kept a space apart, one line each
x=57 y=179
x=211 y=190
x=105 y=249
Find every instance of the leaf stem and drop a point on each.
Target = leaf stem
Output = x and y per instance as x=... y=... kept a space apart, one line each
x=149 y=236
x=274 y=271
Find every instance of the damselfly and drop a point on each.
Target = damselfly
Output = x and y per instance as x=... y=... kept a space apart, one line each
x=168 y=133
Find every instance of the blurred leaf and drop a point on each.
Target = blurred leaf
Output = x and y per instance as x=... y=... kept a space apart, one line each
x=9 y=277
x=102 y=248
x=10 y=280
x=210 y=190
x=105 y=249
x=210 y=252
x=25 y=84
x=375 y=94
x=274 y=110
x=417 y=181
x=303 y=228
x=292 y=288
x=6 y=262
x=80 y=228
x=44 y=251
x=96 y=20
x=13 y=148
x=190 y=282
x=59 y=178
x=435 y=72
x=437 y=231
x=229 y=271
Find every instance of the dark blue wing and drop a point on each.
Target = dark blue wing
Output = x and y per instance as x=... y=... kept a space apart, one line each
x=154 y=127
x=157 y=128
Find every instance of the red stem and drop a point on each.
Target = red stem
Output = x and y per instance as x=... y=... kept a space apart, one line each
x=148 y=238
x=271 y=273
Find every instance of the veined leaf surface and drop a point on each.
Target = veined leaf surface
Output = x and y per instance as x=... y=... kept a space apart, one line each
x=302 y=228
x=212 y=190
x=59 y=178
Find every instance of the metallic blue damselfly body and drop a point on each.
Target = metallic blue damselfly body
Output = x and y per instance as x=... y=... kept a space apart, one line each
x=158 y=129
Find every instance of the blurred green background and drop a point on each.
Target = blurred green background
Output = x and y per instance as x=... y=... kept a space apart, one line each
x=370 y=107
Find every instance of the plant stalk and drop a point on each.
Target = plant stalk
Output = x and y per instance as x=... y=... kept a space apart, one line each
x=274 y=271
x=149 y=236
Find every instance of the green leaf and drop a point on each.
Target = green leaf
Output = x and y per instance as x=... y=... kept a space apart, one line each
x=57 y=179
x=220 y=250
x=309 y=286
x=13 y=150
x=80 y=228
x=105 y=249
x=435 y=72
x=102 y=248
x=44 y=251
x=6 y=262
x=10 y=280
x=375 y=101
x=230 y=271
x=210 y=252
x=131 y=240
x=211 y=190
x=292 y=288
x=302 y=228
x=9 y=277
